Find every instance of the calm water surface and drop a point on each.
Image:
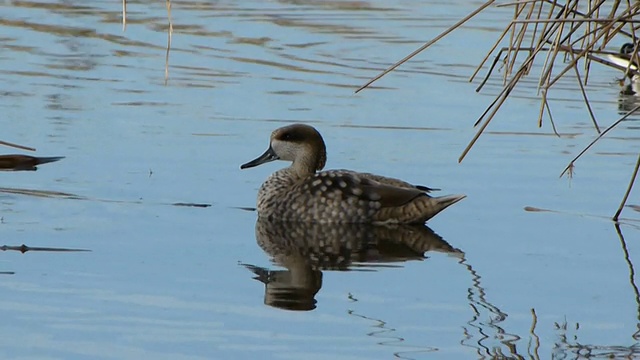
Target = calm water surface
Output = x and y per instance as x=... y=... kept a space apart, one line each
x=181 y=282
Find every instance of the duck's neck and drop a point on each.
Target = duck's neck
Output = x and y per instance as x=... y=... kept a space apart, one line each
x=304 y=167
x=310 y=161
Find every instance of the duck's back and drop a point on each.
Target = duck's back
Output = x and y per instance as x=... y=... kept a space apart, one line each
x=333 y=196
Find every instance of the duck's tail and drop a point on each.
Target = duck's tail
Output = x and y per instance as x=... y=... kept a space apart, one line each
x=24 y=162
x=417 y=211
x=44 y=160
x=433 y=205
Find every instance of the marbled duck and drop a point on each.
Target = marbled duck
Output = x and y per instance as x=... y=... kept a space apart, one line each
x=301 y=192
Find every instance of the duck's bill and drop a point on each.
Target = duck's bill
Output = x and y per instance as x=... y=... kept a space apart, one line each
x=268 y=156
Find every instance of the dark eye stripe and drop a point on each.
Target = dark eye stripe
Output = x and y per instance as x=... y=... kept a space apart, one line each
x=292 y=136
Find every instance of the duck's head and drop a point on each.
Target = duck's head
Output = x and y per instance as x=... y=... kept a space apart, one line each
x=627 y=49
x=299 y=143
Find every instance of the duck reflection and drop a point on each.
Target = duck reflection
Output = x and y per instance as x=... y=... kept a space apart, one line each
x=629 y=98
x=305 y=249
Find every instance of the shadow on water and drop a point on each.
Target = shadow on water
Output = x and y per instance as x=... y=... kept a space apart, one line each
x=306 y=249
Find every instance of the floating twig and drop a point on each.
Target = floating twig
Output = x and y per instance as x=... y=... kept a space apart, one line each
x=24 y=248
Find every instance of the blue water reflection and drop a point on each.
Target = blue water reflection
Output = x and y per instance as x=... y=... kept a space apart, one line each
x=166 y=282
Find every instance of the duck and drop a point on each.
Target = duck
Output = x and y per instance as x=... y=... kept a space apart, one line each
x=19 y=162
x=624 y=57
x=302 y=192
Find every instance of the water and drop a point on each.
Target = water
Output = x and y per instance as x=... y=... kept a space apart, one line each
x=175 y=282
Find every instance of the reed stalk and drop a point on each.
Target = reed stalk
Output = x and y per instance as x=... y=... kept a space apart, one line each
x=567 y=34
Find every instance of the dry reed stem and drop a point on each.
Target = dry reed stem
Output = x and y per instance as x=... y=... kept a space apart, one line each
x=584 y=96
x=545 y=83
x=507 y=70
x=583 y=52
x=498 y=103
x=536 y=25
x=509 y=86
x=493 y=48
x=603 y=133
x=551 y=57
x=554 y=29
x=429 y=43
x=562 y=29
x=518 y=44
x=22 y=147
x=535 y=31
x=553 y=124
x=626 y=194
x=517 y=3
x=493 y=103
x=597 y=32
x=493 y=65
x=557 y=46
x=544 y=105
x=543 y=40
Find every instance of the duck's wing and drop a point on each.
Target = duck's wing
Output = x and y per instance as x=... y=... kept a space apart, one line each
x=393 y=196
x=426 y=188
x=348 y=184
x=393 y=181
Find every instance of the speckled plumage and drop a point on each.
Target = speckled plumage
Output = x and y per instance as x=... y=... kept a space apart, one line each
x=303 y=193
